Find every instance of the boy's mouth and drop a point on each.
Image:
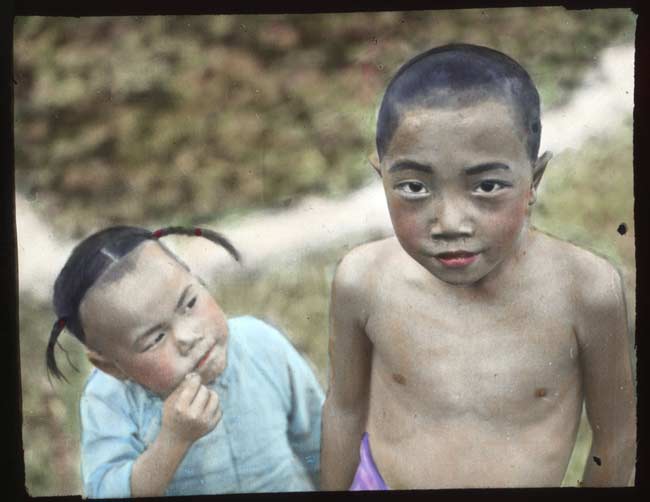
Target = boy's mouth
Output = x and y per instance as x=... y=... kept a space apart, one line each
x=456 y=259
x=204 y=358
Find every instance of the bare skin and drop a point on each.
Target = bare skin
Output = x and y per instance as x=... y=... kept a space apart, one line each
x=473 y=374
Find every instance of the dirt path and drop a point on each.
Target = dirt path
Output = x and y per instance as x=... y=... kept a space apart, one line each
x=599 y=106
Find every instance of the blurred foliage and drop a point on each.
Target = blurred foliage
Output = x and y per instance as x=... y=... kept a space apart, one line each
x=187 y=118
x=51 y=431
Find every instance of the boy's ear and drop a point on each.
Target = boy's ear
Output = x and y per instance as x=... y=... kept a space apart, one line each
x=105 y=365
x=538 y=171
x=373 y=159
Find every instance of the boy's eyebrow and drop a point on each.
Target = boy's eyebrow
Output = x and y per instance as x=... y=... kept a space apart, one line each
x=181 y=300
x=403 y=165
x=488 y=166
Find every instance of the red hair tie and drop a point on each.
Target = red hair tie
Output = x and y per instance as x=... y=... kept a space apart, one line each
x=198 y=232
x=61 y=323
x=158 y=234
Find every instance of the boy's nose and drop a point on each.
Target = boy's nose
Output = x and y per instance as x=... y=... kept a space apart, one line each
x=187 y=336
x=450 y=221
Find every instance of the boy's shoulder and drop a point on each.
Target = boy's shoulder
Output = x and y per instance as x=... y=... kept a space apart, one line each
x=365 y=273
x=362 y=263
x=102 y=387
x=594 y=281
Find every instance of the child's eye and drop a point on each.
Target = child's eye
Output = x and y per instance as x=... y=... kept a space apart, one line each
x=159 y=338
x=413 y=188
x=190 y=304
x=490 y=186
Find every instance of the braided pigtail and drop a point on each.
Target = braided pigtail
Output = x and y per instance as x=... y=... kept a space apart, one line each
x=50 y=359
x=211 y=235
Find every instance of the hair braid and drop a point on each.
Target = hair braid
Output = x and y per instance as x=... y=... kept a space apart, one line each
x=206 y=233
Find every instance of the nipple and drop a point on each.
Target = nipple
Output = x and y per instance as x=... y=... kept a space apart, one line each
x=399 y=378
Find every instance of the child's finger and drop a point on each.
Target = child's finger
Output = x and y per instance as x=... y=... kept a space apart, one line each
x=215 y=413
x=188 y=388
x=212 y=405
x=200 y=399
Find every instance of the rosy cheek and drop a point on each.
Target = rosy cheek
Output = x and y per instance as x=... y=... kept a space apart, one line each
x=158 y=374
x=406 y=222
x=513 y=220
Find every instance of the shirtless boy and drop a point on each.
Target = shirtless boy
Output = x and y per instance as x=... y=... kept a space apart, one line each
x=462 y=348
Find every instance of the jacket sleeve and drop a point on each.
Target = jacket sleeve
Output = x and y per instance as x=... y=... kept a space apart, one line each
x=305 y=415
x=109 y=440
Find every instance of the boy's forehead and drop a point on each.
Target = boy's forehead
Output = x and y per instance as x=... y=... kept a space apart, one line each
x=148 y=285
x=487 y=126
x=148 y=258
x=480 y=113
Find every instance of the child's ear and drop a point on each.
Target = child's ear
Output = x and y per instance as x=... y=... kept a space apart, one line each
x=105 y=365
x=373 y=159
x=538 y=171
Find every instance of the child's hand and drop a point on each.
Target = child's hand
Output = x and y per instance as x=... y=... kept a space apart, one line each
x=191 y=411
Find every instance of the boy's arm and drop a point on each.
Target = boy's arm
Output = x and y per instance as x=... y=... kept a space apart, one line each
x=607 y=380
x=350 y=352
x=189 y=412
x=114 y=462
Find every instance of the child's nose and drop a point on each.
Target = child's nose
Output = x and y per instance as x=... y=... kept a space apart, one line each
x=450 y=220
x=187 y=335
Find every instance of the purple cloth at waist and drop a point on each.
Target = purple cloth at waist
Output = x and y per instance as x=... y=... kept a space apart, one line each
x=367 y=476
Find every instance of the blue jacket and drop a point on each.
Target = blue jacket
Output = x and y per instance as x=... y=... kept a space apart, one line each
x=267 y=440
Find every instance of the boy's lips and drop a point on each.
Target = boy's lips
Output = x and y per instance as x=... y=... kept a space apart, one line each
x=204 y=358
x=455 y=259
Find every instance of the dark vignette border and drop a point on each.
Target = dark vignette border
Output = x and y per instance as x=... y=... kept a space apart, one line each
x=13 y=463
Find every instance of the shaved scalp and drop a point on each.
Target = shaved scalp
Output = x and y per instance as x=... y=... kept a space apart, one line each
x=458 y=75
x=128 y=264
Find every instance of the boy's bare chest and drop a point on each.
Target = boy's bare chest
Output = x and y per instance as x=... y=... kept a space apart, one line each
x=492 y=360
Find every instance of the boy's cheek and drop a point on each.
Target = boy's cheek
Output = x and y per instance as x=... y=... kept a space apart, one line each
x=511 y=222
x=159 y=377
x=411 y=231
x=405 y=223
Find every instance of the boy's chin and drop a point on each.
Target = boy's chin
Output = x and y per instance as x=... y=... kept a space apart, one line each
x=457 y=280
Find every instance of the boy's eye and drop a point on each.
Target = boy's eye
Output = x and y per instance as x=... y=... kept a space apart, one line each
x=158 y=338
x=412 y=188
x=490 y=186
x=190 y=304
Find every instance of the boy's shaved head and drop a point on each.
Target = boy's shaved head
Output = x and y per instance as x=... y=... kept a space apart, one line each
x=459 y=75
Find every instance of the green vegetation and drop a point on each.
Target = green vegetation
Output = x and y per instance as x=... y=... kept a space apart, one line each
x=191 y=118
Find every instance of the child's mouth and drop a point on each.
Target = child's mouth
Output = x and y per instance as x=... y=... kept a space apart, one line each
x=457 y=259
x=204 y=358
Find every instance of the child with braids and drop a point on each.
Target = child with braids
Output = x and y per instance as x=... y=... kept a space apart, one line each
x=181 y=400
